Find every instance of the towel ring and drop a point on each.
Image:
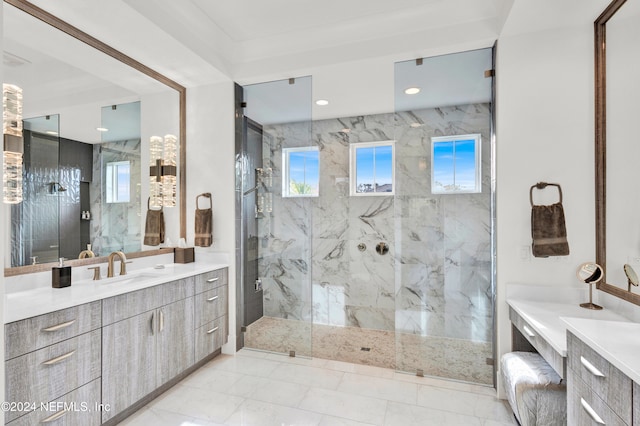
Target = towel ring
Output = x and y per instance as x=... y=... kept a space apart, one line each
x=543 y=185
x=149 y=204
x=206 y=195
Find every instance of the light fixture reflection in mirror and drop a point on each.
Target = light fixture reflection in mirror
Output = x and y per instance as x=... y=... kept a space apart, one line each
x=632 y=277
x=590 y=273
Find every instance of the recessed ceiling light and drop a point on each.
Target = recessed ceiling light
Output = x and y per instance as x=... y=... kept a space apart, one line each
x=412 y=90
x=102 y=129
x=322 y=102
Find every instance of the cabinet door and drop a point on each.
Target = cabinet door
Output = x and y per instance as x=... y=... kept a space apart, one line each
x=175 y=339
x=128 y=362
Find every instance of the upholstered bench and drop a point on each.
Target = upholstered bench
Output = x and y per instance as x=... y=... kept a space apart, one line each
x=535 y=391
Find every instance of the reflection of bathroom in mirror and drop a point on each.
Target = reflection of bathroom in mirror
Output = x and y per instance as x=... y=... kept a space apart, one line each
x=82 y=185
x=590 y=273
x=617 y=72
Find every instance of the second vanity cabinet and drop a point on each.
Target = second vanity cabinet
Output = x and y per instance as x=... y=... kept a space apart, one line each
x=147 y=340
x=597 y=392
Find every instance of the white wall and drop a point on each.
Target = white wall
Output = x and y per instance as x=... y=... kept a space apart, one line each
x=545 y=132
x=211 y=168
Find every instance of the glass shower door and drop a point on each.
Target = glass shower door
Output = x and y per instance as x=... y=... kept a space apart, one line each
x=276 y=222
x=443 y=214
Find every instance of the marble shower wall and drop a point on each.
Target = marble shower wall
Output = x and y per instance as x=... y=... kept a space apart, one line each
x=436 y=279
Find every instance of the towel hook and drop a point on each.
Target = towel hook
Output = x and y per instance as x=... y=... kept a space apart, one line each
x=206 y=195
x=543 y=185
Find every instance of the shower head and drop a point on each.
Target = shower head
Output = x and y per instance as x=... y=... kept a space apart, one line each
x=56 y=187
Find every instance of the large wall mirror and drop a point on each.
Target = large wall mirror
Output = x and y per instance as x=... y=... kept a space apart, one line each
x=88 y=114
x=617 y=60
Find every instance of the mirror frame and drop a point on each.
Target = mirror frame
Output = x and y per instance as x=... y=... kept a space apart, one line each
x=600 y=25
x=80 y=35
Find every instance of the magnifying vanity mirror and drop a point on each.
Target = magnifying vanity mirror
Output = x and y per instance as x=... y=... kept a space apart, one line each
x=617 y=67
x=88 y=114
x=590 y=273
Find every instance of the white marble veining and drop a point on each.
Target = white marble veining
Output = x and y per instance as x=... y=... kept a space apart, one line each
x=435 y=282
x=37 y=301
x=612 y=340
x=549 y=319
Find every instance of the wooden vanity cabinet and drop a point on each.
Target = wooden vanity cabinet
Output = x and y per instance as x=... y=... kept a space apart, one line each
x=211 y=312
x=147 y=340
x=115 y=352
x=50 y=358
x=596 y=390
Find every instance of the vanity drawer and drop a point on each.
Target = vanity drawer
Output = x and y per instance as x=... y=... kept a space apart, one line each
x=177 y=290
x=51 y=372
x=211 y=305
x=583 y=404
x=127 y=305
x=211 y=336
x=555 y=359
x=604 y=379
x=81 y=405
x=212 y=279
x=30 y=334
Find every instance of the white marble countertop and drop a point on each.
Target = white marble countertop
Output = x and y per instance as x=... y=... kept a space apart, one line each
x=548 y=319
x=618 y=342
x=25 y=304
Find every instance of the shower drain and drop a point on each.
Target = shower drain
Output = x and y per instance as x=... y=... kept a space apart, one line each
x=365 y=349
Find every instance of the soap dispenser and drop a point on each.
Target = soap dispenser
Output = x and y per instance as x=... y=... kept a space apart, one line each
x=61 y=275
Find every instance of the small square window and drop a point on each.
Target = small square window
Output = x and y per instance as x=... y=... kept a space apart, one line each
x=301 y=168
x=455 y=164
x=118 y=182
x=372 y=169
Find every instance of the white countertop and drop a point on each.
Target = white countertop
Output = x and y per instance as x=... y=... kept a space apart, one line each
x=547 y=319
x=618 y=342
x=25 y=304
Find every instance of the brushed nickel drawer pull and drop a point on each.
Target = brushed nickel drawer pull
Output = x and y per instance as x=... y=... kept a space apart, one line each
x=153 y=323
x=528 y=331
x=213 y=280
x=213 y=330
x=596 y=418
x=54 y=416
x=59 y=359
x=592 y=369
x=59 y=326
x=161 y=321
x=211 y=299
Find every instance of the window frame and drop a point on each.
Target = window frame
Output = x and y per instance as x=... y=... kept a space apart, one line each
x=353 y=168
x=477 y=138
x=286 y=178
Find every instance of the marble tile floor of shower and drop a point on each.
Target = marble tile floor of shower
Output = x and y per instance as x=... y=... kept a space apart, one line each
x=457 y=359
x=260 y=388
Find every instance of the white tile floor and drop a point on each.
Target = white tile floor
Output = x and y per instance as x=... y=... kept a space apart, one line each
x=257 y=388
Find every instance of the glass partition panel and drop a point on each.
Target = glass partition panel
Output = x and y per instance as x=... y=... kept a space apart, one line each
x=444 y=285
x=279 y=172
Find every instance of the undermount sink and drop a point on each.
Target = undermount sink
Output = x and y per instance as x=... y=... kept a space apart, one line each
x=129 y=278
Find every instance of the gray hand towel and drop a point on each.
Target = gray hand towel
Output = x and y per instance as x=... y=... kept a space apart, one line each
x=548 y=228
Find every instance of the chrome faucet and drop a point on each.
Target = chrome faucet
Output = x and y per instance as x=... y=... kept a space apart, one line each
x=123 y=261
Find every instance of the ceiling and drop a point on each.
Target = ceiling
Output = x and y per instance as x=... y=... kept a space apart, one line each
x=348 y=47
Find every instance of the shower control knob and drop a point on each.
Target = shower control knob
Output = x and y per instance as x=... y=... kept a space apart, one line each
x=382 y=248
